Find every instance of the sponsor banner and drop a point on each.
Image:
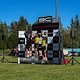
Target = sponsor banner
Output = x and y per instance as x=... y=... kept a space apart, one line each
x=21 y=40
x=56 y=46
x=25 y=41
x=55 y=25
x=55 y=54
x=61 y=46
x=50 y=34
x=56 y=39
x=50 y=40
x=50 y=60
x=21 y=47
x=47 y=19
x=44 y=33
x=21 y=54
x=21 y=34
x=18 y=47
x=50 y=47
x=50 y=54
x=56 y=32
x=56 y=60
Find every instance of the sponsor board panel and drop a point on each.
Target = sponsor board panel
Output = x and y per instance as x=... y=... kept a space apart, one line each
x=50 y=54
x=56 y=60
x=56 y=46
x=21 y=34
x=21 y=40
x=50 y=40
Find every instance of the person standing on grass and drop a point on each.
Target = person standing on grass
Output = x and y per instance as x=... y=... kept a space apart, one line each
x=16 y=52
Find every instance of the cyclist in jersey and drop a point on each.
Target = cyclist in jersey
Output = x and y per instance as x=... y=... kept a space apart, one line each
x=44 y=48
x=36 y=45
x=28 y=44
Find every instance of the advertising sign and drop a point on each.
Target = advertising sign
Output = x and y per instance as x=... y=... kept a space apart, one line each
x=50 y=54
x=21 y=54
x=56 y=39
x=55 y=32
x=44 y=33
x=21 y=47
x=56 y=46
x=56 y=54
x=55 y=60
x=50 y=40
x=21 y=34
x=21 y=40
x=47 y=19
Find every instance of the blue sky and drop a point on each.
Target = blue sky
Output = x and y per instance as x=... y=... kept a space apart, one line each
x=11 y=10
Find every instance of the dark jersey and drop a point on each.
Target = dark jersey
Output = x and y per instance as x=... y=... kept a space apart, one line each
x=29 y=41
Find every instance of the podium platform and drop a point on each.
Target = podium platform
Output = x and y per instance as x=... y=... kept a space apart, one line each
x=31 y=60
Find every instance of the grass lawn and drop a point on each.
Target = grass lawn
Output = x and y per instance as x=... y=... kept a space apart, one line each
x=14 y=71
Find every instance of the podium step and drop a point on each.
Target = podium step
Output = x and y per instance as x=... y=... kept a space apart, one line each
x=31 y=59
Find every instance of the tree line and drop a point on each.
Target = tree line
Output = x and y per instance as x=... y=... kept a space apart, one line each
x=10 y=39
x=67 y=34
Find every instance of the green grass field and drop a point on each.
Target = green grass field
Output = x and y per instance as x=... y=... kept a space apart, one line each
x=14 y=71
